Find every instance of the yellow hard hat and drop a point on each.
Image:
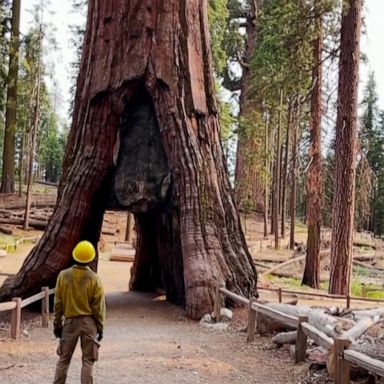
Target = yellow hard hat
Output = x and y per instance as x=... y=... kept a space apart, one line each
x=84 y=252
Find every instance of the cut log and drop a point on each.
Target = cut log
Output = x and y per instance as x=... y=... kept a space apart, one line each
x=361 y=314
x=122 y=254
x=5 y=230
x=284 y=264
x=361 y=327
x=285 y=338
x=368 y=266
x=374 y=350
x=32 y=223
x=128 y=259
x=108 y=232
x=331 y=326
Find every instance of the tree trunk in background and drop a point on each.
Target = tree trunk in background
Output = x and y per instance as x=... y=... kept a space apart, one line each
x=148 y=62
x=277 y=183
x=292 y=200
x=285 y=173
x=345 y=152
x=311 y=275
x=267 y=180
x=273 y=200
x=8 y=171
x=129 y=227
x=249 y=188
x=34 y=129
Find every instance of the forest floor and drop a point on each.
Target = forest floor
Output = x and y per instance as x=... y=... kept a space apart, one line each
x=148 y=340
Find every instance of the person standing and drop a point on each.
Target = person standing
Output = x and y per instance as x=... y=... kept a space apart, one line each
x=80 y=300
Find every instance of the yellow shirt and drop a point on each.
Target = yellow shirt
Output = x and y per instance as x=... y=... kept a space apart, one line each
x=79 y=292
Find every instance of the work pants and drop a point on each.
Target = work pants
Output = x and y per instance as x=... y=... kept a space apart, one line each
x=83 y=327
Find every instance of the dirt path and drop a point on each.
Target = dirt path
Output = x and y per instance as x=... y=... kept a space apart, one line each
x=148 y=340
x=151 y=341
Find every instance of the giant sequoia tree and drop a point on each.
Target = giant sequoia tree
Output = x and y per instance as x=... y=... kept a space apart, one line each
x=145 y=137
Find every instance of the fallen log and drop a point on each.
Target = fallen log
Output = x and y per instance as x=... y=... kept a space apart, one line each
x=7 y=231
x=284 y=264
x=361 y=327
x=331 y=326
x=32 y=223
x=35 y=204
x=360 y=314
x=285 y=338
x=368 y=266
x=291 y=261
x=108 y=232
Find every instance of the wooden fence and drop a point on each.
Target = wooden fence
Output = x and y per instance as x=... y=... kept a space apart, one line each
x=342 y=356
x=17 y=304
x=7 y=246
x=348 y=298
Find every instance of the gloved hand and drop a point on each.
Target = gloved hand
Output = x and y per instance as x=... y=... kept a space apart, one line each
x=58 y=331
x=99 y=335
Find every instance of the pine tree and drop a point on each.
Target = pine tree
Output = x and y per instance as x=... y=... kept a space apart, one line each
x=345 y=150
x=8 y=168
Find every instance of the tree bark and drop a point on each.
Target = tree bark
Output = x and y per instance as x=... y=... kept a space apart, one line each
x=34 y=129
x=285 y=173
x=311 y=275
x=148 y=63
x=8 y=170
x=277 y=193
x=345 y=152
x=267 y=178
x=292 y=200
x=129 y=227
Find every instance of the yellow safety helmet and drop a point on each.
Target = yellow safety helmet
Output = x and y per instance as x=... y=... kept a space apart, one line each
x=84 y=252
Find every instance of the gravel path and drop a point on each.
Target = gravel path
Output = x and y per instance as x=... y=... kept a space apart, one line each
x=146 y=341
x=151 y=341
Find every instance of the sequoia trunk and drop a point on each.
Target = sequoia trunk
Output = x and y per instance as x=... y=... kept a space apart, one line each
x=145 y=137
x=345 y=151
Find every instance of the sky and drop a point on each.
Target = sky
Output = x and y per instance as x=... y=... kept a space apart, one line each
x=372 y=44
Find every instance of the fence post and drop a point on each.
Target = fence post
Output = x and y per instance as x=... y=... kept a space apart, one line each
x=251 y=321
x=341 y=366
x=216 y=309
x=348 y=301
x=45 y=307
x=301 y=341
x=280 y=294
x=16 y=319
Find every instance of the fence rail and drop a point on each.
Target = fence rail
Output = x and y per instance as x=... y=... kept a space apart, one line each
x=347 y=298
x=17 y=304
x=342 y=356
x=7 y=246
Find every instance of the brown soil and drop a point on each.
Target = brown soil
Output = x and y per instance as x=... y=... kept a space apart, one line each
x=148 y=340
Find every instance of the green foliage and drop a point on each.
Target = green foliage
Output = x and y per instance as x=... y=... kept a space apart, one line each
x=371 y=137
x=218 y=14
x=79 y=7
x=50 y=141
